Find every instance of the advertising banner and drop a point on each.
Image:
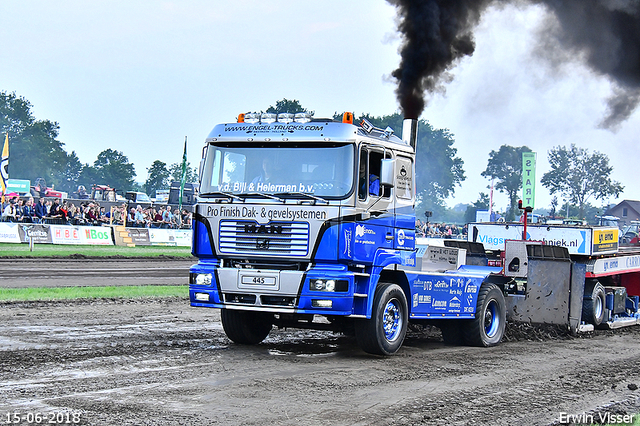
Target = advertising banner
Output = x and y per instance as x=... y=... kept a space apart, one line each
x=139 y=236
x=54 y=234
x=9 y=233
x=528 y=179
x=90 y=235
x=170 y=237
x=580 y=241
x=40 y=234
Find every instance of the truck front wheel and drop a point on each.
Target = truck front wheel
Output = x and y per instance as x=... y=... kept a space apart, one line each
x=384 y=333
x=487 y=328
x=245 y=327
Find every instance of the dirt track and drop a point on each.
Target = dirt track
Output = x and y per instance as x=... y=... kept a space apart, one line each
x=160 y=362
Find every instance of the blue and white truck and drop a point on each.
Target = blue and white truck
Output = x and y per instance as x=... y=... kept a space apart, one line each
x=310 y=223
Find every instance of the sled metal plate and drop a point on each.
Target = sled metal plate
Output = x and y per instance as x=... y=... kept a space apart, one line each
x=547 y=296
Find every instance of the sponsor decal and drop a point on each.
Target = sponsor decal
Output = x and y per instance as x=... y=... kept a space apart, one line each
x=401 y=237
x=362 y=230
x=605 y=240
x=419 y=299
x=455 y=303
x=404 y=179
x=347 y=241
x=265 y=213
x=240 y=187
x=275 y=128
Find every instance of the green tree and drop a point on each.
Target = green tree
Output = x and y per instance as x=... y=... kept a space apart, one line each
x=67 y=175
x=578 y=175
x=286 y=105
x=157 y=177
x=34 y=150
x=481 y=204
x=175 y=172
x=438 y=170
x=110 y=168
x=505 y=165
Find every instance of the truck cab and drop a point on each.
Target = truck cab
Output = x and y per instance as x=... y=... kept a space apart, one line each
x=301 y=219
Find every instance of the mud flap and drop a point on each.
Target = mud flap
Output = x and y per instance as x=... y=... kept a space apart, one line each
x=553 y=294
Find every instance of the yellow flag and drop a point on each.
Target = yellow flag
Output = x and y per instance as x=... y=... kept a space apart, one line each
x=4 y=167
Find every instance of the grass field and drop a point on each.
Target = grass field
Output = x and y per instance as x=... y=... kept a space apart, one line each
x=120 y=292
x=111 y=292
x=51 y=250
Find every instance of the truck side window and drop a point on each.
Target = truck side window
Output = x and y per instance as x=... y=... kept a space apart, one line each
x=369 y=175
x=374 y=173
x=363 y=182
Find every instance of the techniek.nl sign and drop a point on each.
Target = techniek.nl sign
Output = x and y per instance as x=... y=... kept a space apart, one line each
x=577 y=241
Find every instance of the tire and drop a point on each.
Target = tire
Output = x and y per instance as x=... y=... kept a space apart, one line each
x=452 y=331
x=245 y=327
x=593 y=303
x=487 y=328
x=384 y=333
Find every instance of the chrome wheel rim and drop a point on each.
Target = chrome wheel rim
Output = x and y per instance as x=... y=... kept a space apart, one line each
x=392 y=320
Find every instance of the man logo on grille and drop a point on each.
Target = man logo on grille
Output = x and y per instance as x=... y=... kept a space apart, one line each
x=262 y=243
x=263 y=229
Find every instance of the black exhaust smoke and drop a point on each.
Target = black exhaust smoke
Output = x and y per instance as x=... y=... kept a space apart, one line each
x=436 y=33
x=604 y=34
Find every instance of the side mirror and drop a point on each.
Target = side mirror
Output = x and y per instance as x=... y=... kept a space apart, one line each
x=387 y=169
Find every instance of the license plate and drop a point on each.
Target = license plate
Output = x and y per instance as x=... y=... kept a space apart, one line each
x=258 y=280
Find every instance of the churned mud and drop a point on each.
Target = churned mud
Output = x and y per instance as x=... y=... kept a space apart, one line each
x=161 y=362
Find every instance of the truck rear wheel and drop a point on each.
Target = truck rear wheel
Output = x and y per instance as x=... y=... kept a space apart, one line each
x=384 y=333
x=593 y=303
x=487 y=328
x=245 y=327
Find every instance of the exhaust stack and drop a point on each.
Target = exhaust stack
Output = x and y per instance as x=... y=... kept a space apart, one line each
x=410 y=131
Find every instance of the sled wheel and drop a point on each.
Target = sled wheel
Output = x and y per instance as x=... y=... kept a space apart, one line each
x=487 y=328
x=245 y=327
x=593 y=303
x=384 y=333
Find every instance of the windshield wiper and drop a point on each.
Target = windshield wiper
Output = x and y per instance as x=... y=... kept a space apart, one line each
x=229 y=195
x=315 y=198
x=260 y=194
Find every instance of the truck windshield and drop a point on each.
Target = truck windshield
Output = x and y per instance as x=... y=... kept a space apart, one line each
x=288 y=170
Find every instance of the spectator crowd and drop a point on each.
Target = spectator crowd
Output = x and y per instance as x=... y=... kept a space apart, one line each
x=53 y=211
x=440 y=230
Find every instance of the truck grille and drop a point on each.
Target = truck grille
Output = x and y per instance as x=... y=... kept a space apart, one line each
x=274 y=238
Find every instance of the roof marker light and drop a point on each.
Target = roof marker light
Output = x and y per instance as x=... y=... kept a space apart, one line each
x=252 y=118
x=240 y=118
x=302 y=117
x=285 y=117
x=268 y=117
x=347 y=117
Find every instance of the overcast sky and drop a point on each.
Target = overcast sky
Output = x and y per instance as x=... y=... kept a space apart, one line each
x=139 y=76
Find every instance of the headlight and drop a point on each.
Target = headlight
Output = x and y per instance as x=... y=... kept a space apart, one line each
x=203 y=279
x=328 y=285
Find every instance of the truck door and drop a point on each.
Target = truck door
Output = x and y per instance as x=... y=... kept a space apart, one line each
x=375 y=228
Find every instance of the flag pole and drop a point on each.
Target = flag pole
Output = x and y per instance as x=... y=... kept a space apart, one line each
x=4 y=167
x=183 y=178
